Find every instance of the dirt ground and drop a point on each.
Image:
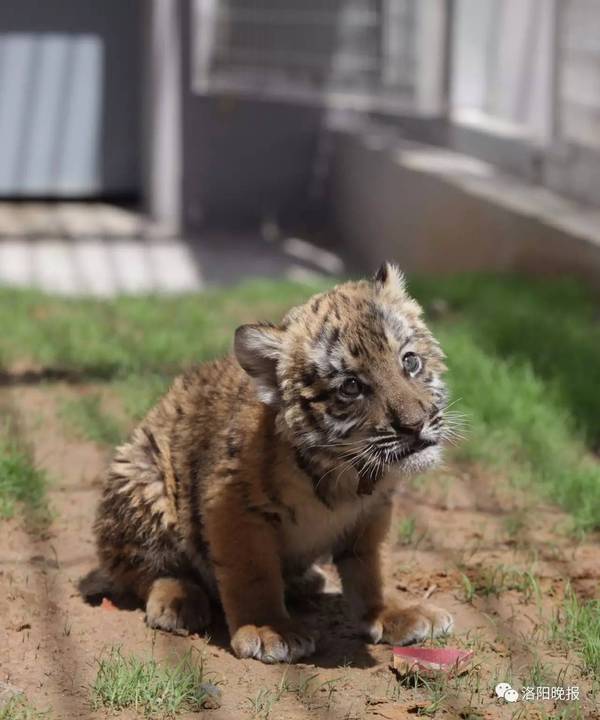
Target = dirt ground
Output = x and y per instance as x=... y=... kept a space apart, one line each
x=467 y=524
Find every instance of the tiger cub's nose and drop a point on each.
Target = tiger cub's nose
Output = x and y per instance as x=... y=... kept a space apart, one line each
x=409 y=428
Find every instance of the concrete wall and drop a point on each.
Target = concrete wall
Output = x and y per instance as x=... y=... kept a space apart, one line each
x=246 y=161
x=216 y=160
x=433 y=210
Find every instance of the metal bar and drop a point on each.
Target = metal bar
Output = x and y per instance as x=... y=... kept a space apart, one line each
x=203 y=30
x=448 y=54
x=282 y=58
x=555 y=70
x=391 y=26
x=291 y=17
x=433 y=18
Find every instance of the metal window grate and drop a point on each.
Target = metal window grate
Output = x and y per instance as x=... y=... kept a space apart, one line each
x=355 y=52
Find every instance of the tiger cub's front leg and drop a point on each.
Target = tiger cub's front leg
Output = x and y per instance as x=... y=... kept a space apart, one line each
x=359 y=566
x=247 y=563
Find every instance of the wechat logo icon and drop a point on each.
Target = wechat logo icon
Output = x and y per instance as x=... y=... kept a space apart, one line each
x=504 y=690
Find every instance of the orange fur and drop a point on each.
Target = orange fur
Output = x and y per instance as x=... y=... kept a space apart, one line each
x=253 y=467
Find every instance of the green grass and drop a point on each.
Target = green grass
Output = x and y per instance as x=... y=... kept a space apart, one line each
x=494 y=580
x=148 y=686
x=577 y=624
x=524 y=359
x=261 y=705
x=138 y=393
x=117 y=338
x=85 y=416
x=21 y=483
x=515 y=523
x=17 y=708
x=313 y=692
x=406 y=530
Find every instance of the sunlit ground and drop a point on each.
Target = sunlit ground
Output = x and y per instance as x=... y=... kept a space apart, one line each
x=524 y=368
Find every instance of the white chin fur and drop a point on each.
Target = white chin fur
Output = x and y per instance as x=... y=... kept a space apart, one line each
x=420 y=461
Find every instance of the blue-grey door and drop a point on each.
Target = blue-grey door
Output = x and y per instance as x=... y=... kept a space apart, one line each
x=69 y=98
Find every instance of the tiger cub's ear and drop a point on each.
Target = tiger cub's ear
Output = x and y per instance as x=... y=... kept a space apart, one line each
x=257 y=349
x=390 y=280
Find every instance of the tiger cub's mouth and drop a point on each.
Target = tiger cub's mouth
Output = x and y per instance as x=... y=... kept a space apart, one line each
x=391 y=453
x=408 y=454
x=405 y=451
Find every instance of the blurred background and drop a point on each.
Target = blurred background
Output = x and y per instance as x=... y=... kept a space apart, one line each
x=157 y=145
x=171 y=169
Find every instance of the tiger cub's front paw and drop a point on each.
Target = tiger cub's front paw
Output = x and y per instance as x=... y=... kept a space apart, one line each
x=280 y=642
x=405 y=625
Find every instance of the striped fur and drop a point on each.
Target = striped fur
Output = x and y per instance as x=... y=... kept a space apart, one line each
x=254 y=466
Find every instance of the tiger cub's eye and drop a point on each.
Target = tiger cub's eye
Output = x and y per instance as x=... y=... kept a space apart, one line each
x=350 y=388
x=412 y=363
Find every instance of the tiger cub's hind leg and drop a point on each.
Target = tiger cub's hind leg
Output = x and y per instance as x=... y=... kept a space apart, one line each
x=177 y=606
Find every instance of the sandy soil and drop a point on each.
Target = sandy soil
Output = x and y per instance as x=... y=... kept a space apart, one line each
x=464 y=526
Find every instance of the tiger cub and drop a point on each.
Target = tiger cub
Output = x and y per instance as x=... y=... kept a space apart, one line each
x=254 y=466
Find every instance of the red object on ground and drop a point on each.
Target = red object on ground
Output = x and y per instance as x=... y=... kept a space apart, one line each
x=107 y=604
x=431 y=660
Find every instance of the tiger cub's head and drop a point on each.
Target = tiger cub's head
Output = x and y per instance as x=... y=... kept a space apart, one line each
x=356 y=378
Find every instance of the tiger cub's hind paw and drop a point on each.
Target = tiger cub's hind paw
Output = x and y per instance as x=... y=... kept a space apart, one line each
x=177 y=606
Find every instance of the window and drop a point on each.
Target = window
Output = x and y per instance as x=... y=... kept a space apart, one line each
x=359 y=54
